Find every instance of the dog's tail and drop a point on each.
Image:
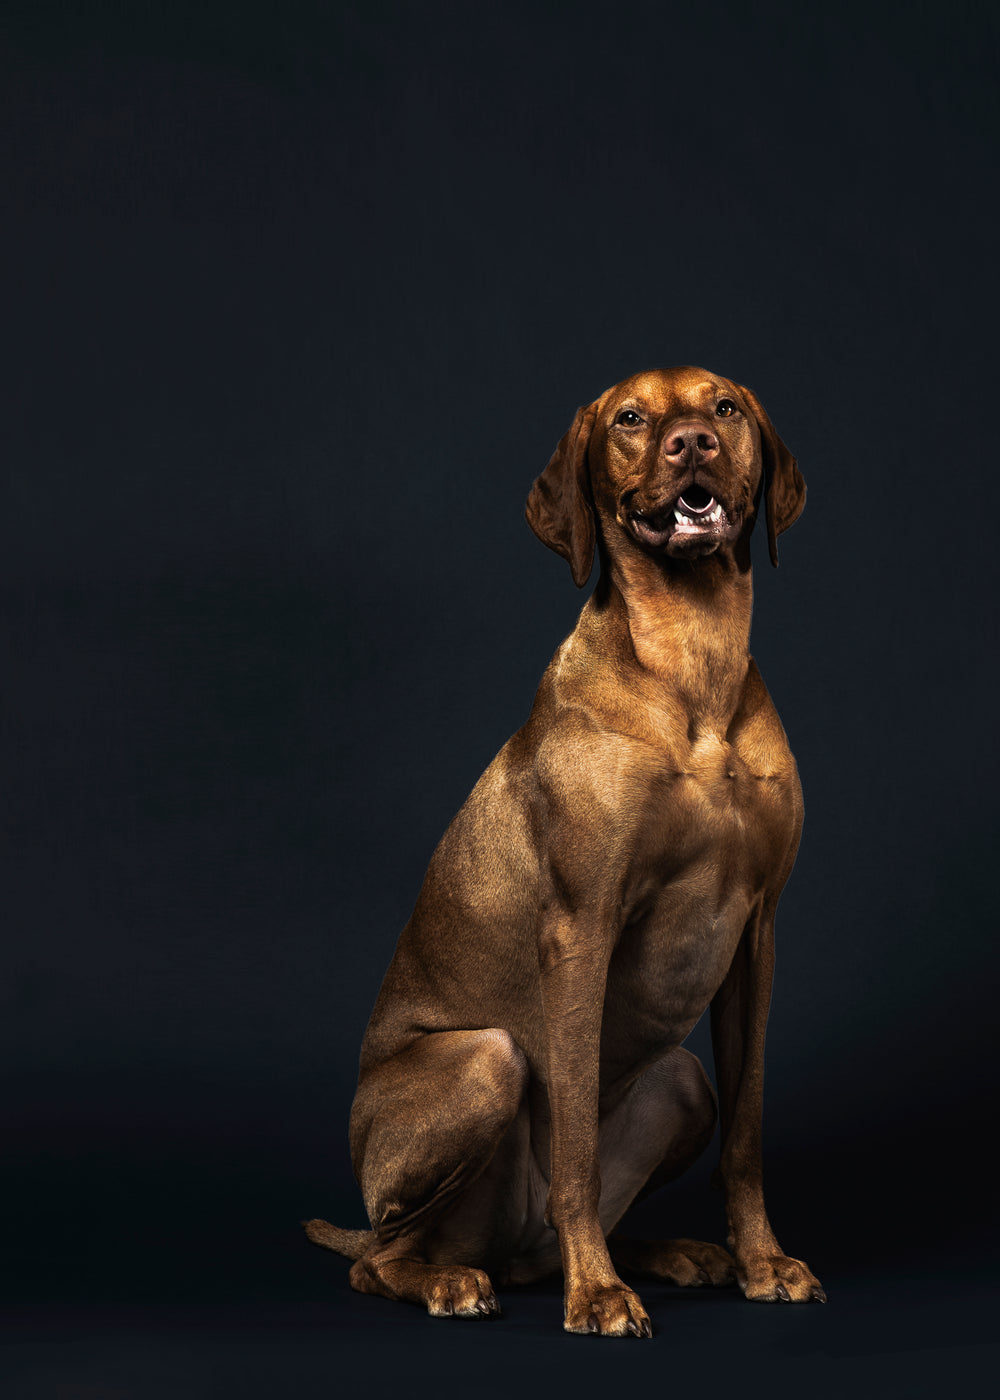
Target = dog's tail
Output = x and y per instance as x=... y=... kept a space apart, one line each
x=350 y=1243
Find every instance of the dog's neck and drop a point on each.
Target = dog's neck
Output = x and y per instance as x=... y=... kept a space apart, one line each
x=687 y=624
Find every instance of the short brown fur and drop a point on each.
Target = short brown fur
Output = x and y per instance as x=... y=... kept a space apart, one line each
x=614 y=872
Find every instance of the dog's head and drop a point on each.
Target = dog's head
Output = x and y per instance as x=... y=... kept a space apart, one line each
x=676 y=461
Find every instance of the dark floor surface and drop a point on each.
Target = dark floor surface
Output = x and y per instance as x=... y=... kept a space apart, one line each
x=886 y=1334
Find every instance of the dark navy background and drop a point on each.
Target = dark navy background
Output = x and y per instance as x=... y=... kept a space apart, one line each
x=298 y=300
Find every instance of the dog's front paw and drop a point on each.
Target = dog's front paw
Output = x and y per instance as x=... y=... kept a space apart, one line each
x=613 y=1311
x=775 y=1278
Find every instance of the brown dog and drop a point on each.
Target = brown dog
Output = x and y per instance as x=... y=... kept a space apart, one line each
x=614 y=872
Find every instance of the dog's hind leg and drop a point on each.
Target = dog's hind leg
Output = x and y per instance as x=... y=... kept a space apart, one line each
x=426 y=1125
x=662 y=1126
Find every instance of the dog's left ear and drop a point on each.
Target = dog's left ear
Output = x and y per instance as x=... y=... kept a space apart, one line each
x=784 y=488
x=560 y=506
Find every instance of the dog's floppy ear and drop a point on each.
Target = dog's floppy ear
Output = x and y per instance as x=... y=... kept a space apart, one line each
x=560 y=507
x=784 y=489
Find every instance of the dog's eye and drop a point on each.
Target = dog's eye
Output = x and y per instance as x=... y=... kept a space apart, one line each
x=629 y=418
x=725 y=408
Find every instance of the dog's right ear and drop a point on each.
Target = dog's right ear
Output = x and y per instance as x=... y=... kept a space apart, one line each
x=560 y=507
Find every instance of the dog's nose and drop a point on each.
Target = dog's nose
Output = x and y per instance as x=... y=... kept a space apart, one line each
x=690 y=443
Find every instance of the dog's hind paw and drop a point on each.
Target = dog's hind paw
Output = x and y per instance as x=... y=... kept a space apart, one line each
x=686 y=1263
x=778 y=1279
x=455 y=1291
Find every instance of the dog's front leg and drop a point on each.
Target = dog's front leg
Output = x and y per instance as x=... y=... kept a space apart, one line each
x=739 y=1022
x=573 y=965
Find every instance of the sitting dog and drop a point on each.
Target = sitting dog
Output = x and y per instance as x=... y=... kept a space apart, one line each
x=614 y=872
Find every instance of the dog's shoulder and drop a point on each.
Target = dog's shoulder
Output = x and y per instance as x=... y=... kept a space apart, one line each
x=757 y=733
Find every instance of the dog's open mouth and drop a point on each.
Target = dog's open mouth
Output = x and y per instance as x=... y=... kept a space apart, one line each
x=695 y=523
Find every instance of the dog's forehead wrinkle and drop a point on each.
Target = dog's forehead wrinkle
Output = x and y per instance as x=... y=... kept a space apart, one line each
x=667 y=392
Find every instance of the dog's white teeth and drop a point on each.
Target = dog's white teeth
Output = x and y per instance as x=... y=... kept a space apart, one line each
x=683 y=518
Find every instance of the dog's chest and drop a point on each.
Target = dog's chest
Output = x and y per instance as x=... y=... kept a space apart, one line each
x=715 y=844
x=723 y=810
